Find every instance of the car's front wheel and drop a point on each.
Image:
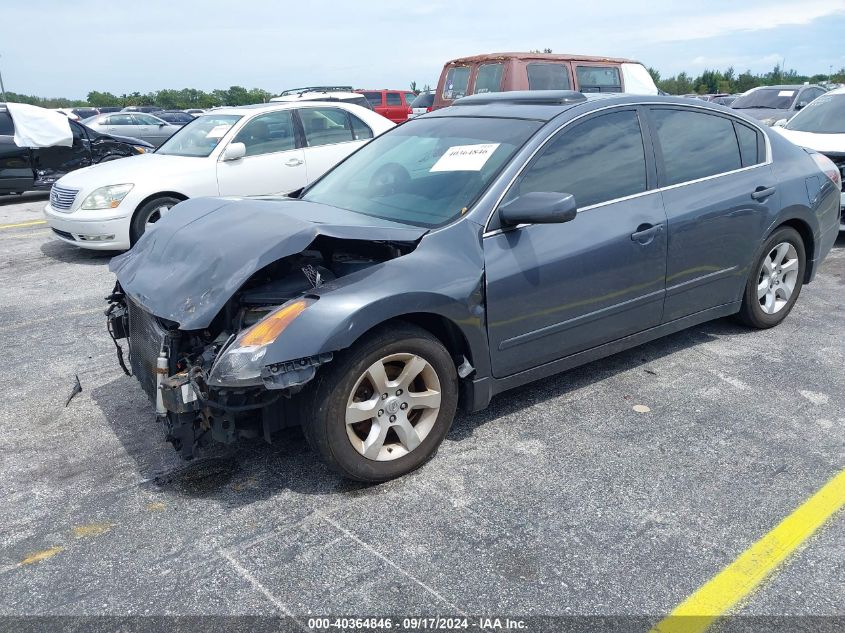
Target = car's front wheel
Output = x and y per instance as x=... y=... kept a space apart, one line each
x=775 y=281
x=148 y=214
x=381 y=408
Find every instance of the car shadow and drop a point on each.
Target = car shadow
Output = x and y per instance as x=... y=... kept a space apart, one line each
x=32 y=196
x=252 y=470
x=70 y=254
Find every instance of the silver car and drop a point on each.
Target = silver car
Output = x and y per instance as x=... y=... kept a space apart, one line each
x=134 y=125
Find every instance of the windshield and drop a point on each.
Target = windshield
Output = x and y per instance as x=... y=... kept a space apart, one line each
x=426 y=172
x=200 y=136
x=770 y=98
x=823 y=115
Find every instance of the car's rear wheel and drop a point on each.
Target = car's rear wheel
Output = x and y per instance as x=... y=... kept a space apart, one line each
x=148 y=214
x=381 y=408
x=775 y=280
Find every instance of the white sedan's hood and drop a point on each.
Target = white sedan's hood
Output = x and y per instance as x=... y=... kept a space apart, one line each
x=139 y=170
x=817 y=142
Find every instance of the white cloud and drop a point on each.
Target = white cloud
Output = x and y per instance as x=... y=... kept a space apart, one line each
x=744 y=20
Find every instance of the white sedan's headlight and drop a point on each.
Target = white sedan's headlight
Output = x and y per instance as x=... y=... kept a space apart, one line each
x=106 y=197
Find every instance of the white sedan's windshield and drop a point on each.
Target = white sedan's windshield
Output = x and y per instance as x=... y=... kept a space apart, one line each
x=200 y=136
x=823 y=115
x=425 y=172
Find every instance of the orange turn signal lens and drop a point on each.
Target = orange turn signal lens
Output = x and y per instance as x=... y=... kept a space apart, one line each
x=268 y=329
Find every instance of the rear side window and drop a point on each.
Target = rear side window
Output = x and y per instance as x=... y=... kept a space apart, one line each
x=548 y=77
x=325 y=126
x=749 y=149
x=455 y=85
x=120 y=119
x=599 y=160
x=374 y=98
x=6 y=126
x=598 y=78
x=489 y=78
x=394 y=99
x=695 y=145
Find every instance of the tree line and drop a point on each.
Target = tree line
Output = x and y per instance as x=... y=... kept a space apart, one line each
x=167 y=99
x=715 y=81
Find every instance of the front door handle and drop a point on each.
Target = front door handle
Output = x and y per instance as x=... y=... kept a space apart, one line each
x=294 y=162
x=761 y=193
x=645 y=233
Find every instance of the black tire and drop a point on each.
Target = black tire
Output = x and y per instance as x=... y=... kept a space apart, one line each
x=142 y=214
x=752 y=313
x=325 y=402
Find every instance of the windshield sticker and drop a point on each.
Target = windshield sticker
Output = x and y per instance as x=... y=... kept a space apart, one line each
x=218 y=131
x=465 y=157
x=786 y=93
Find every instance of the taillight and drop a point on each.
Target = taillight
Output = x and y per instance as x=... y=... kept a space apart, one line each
x=828 y=167
x=429 y=109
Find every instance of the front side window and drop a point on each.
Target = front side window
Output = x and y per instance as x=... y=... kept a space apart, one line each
x=199 y=137
x=598 y=78
x=325 y=126
x=489 y=78
x=394 y=99
x=825 y=115
x=456 y=82
x=425 y=172
x=268 y=134
x=596 y=161
x=120 y=119
x=548 y=77
x=146 y=119
x=695 y=145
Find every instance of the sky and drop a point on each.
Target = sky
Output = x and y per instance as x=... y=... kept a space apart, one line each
x=57 y=48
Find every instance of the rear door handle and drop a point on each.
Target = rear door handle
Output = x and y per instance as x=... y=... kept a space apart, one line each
x=761 y=193
x=645 y=233
x=294 y=162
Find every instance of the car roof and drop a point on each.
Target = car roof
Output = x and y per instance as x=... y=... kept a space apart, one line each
x=275 y=105
x=333 y=95
x=789 y=86
x=524 y=104
x=542 y=56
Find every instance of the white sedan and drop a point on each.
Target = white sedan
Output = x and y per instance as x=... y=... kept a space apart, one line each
x=820 y=126
x=264 y=149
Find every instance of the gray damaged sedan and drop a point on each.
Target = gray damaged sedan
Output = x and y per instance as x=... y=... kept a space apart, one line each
x=468 y=251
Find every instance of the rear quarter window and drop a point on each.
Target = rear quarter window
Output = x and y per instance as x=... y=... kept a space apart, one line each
x=749 y=144
x=489 y=78
x=373 y=97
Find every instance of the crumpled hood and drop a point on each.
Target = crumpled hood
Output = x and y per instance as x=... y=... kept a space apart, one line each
x=197 y=256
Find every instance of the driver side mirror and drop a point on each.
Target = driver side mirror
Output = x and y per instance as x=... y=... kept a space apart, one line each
x=235 y=151
x=539 y=207
x=800 y=105
x=162 y=124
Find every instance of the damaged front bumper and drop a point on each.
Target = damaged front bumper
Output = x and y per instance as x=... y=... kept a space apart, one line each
x=176 y=369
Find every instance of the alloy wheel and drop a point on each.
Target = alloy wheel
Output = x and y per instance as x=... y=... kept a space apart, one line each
x=777 y=278
x=156 y=214
x=393 y=407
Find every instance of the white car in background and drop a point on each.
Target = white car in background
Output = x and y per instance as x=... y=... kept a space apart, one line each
x=821 y=127
x=263 y=149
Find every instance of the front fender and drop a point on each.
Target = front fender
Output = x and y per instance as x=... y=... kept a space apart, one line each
x=442 y=277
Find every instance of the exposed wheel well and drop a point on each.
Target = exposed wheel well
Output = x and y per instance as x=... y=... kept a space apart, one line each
x=445 y=330
x=806 y=234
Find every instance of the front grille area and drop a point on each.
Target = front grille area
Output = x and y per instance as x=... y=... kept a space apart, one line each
x=61 y=198
x=146 y=338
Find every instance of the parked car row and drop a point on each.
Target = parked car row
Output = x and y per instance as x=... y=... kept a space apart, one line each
x=473 y=249
x=37 y=168
x=768 y=104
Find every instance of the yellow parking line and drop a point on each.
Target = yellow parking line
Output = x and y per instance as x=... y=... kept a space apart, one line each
x=741 y=577
x=20 y=224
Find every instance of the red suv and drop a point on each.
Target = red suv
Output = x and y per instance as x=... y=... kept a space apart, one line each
x=393 y=104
